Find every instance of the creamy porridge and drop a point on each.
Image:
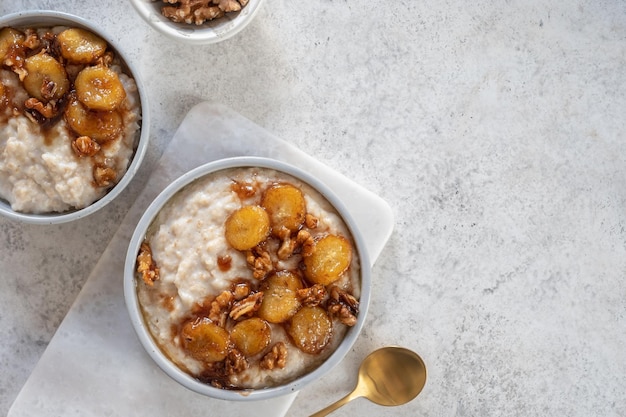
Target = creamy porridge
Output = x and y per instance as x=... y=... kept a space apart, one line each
x=248 y=278
x=69 y=118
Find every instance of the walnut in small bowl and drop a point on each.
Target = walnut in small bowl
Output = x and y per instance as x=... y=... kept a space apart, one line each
x=198 y=21
x=198 y=12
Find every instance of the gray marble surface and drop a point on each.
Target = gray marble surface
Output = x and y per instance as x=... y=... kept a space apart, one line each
x=495 y=132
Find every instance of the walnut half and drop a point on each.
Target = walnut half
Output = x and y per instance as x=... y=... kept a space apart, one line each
x=85 y=146
x=343 y=306
x=146 y=265
x=260 y=261
x=246 y=307
x=275 y=358
x=199 y=11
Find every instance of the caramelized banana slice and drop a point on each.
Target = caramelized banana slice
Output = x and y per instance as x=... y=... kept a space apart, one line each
x=100 y=126
x=247 y=227
x=99 y=88
x=9 y=39
x=46 y=78
x=280 y=302
x=205 y=340
x=279 y=305
x=251 y=336
x=283 y=278
x=311 y=329
x=330 y=257
x=286 y=207
x=81 y=46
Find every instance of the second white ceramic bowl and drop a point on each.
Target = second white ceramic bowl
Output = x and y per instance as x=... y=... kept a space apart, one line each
x=47 y=18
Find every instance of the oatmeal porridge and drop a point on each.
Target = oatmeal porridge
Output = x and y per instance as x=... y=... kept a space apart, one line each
x=69 y=118
x=248 y=278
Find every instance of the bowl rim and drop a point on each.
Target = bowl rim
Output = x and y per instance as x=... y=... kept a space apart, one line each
x=192 y=34
x=134 y=309
x=45 y=18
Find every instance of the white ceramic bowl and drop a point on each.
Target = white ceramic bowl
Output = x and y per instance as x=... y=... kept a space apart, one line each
x=134 y=309
x=44 y=18
x=210 y=32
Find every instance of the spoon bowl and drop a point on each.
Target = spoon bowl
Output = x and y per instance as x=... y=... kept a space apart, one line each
x=388 y=376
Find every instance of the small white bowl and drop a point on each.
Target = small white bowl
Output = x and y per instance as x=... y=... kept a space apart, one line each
x=212 y=31
x=134 y=309
x=46 y=18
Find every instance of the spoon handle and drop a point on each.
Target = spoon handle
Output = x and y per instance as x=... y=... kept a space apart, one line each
x=336 y=405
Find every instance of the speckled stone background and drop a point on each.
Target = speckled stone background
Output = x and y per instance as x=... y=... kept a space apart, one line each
x=496 y=132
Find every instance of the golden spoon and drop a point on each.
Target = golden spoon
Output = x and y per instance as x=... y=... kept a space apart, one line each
x=388 y=376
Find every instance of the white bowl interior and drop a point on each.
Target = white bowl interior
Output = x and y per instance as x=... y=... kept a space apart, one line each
x=210 y=32
x=143 y=333
x=45 y=18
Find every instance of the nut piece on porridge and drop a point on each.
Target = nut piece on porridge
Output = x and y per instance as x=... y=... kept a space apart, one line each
x=343 y=306
x=312 y=296
x=246 y=307
x=273 y=296
x=260 y=262
x=85 y=146
x=146 y=265
x=276 y=357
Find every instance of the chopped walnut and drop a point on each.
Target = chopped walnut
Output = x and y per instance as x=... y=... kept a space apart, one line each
x=47 y=110
x=241 y=291
x=199 y=11
x=235 y=362
x=260 y=261
x=20 y=71
x=228 y=5
x=246 y=307
x=48 y=89
x=32 y=39
x=305 y=242
x=310 y=221
x=106 y=59
x=146 y=265
x=275 y=358
x=104 y=176
x=243 y=189
x=311 y=296
x=85 y=146
x=220 y=307
x=343 y=306
x=204 y=14
x=288 y=245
